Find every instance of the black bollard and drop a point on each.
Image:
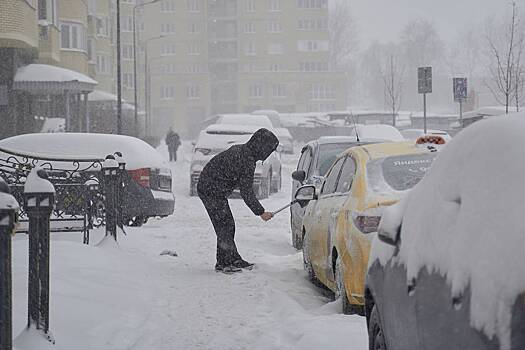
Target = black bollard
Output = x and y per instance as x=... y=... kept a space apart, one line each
x=8 y=207
x=121 y=184
x=39 y=198
x=110 y=171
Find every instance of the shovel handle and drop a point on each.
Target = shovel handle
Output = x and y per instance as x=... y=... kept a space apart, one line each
x=283 y=208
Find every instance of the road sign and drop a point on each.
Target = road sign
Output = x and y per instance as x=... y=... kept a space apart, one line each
x=460 y=89
x=424 y=80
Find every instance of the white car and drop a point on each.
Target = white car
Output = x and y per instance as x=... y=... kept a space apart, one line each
x=414 y=134
x=377 y=132
x=219 y=137
x=282 y=133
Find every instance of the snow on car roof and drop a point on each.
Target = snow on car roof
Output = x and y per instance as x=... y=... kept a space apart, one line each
x=246 y=119
x=335 y=139
x=233 y=128
x=137 y=153
x=378 y=131
x=465 y=220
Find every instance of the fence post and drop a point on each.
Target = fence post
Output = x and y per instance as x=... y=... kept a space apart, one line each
x=122 y=170
x=39 y=198
x=8 y=206
x=110 y=172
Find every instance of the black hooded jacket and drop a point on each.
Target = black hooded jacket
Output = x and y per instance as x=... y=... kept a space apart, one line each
x=235 y=167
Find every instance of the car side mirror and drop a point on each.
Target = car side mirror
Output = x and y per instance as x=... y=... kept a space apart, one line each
x=305 y=194
x=299 y=175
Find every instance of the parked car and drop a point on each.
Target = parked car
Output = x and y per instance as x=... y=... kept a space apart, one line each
x=219 y=137
x=377 y=131
x=413 y=134
x=148 y=193
x=282 y=133
x=449 y=271
x=316 y=158
x=339 y=219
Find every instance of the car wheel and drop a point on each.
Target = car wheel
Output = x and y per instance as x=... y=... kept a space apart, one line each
x=376 y=338
x=340 y=289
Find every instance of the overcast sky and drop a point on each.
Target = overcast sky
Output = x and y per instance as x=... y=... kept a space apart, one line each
x=384 y=19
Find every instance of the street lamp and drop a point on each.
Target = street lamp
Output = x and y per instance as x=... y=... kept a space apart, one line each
x=146 y=82
x=135 y=60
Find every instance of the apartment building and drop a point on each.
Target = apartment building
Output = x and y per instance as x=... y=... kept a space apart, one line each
x=220 y=56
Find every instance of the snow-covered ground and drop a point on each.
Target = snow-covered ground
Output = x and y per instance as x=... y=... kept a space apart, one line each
x=130 y=297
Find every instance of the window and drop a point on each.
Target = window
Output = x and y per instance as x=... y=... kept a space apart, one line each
x=249 y=27
x=319 y=24
x=168 y=49
x=321 y=92
x=307 y=161
x=127 y=51
x=167 y=6
x=250 y=49
x=103 y=64
x=92 y=7
x=312 y=4
x=127 y=80
x=193 y=28
x=193 y=92
x=167 y=28
x=275 y=67
x=250 y=5
x=274 y=5
x=169 y=68
x=192 y=5
x=129 y=1
x=193 y=49
x=73 y=36
x=274 y=27
x=195 y=69
x=47 y=11
x=126 y=24
x=275 y=49
x=103 y=26
x=332 y=177
x=279 y=90
x=255 y=90
x=312 y=45
x=313 y=66
x=167 y=92
x=347 y=176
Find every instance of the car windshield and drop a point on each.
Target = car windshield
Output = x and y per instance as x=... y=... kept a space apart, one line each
x=398 y=173
x=328 y=153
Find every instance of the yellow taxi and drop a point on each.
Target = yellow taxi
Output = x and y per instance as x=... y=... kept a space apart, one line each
x=341 y=216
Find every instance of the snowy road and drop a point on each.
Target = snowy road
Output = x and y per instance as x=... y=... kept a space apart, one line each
x=130 y=297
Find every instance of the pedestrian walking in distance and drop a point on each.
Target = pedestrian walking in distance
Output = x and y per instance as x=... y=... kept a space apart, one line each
x=173 y=142
x=227 y=171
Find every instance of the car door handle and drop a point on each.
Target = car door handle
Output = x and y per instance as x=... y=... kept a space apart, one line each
x=411 y=288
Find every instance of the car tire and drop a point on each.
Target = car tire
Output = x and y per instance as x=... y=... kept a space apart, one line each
x=376 y=338
x=340 y=289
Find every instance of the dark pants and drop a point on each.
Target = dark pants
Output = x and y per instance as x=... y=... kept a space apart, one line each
x=224 y=225
x=173 y=153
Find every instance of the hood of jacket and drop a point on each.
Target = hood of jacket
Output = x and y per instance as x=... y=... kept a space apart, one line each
x=262 y=143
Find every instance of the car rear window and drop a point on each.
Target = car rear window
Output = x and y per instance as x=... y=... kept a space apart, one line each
x=228 y=132
x=328 y=153
x=399 y=173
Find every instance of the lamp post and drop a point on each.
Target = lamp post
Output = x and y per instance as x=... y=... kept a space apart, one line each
x=135 y=61
x=147 y=82
x=119 y=78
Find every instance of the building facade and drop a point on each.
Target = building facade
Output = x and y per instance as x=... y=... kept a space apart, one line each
x=228 y=56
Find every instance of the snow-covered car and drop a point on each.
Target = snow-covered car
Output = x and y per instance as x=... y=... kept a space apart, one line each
x=340 y=217
x=316 y=158
x=219 y=137
x=282 y=133
x=413 y=134
x=148 y=193
x=448 y=269
x=377 y=131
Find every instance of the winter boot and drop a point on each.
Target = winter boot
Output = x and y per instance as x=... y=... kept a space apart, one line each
x=243 y=264
x=228 y=269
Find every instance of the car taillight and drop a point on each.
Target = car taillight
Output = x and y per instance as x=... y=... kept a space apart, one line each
x=141 y=176
x=366 y=223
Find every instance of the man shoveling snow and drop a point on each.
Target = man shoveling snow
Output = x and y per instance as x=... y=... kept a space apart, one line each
x=231 y=169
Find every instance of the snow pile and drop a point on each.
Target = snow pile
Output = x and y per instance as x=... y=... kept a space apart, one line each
x=47 y=73
x=36 y=184
x=465 y=220
x=137 y=153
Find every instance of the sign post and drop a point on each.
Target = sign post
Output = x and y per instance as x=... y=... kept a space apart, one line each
x=460 y=94
x=424 y=86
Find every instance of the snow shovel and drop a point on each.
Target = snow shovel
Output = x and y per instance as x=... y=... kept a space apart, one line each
x=286 y=206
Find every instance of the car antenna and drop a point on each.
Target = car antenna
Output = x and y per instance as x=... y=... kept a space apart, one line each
x=355 y=126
